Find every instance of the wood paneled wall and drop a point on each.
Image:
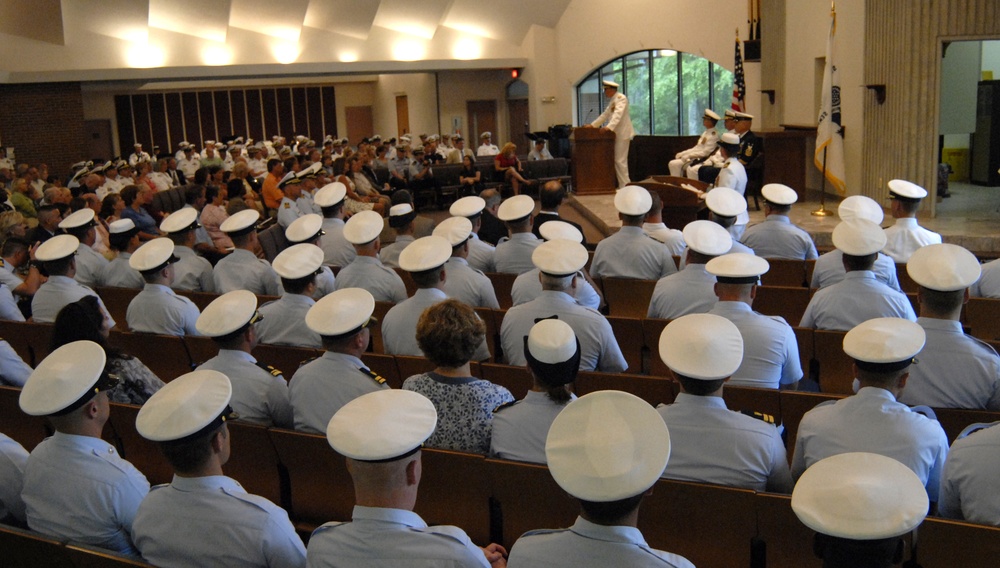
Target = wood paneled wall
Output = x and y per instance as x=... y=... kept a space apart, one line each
x=165 y=119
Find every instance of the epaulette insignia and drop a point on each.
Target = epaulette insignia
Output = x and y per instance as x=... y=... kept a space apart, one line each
x=1 y=263
x=274 y=372
x=769 y=418
x=288 y=205
x=503 y=406
x=749 y=150
x=307 y=361
x=375 y=376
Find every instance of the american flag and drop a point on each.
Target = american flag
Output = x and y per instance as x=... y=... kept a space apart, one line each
x=739 y=84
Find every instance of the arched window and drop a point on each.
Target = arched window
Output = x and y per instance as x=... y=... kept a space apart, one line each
x=668 y=91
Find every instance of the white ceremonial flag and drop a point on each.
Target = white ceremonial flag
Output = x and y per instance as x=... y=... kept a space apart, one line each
x=830 y=133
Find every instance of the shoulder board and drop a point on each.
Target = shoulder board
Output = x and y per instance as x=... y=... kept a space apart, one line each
x=505 y=405
x=307 y=361
x=288 y=205
x=327 y=526
x=1 y=263
x=160 y=486
x=768 y=418
x=778 y=319
x=374 y=376
x=973 y=428
x=274 y=372
x=726 y=165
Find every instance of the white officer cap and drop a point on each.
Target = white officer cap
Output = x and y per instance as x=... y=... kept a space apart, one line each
x=219 y=145
x=608 y=83
x=305 y=228
x=709 y=113
x=737 y=268
x=944 y=267
x=515 y=208
x=906 y=190
x=702 y=346
x=192 y=404
x=486 y=134
x=884 y=344
x=291 y=178
x=120 y=226
x=744 y=116
x=779 y=194
x=298 y=261
x=553 y=351
x=363 y=227
x=209 y=143
x=607 y=446
x=65 y=380
x=240 y=223
x=860 y=207
x=633 y=200
x=138 y=144
x=77 y=219
x=729 y=139
x=858 y=237
x=341 y=312
x=153 y=255
x=56 y=248
x=425 y=253
x=468 y=206
x=725 y=202
x=559 y=257
x=860 y=496
x=331 y=194
x=456 y=230
x=401 y=214
x=707 y=238
x=730 y=113
x=227 y=314
x=184 y=144
x=551 y=230
x=184 y=219
x=382 y=426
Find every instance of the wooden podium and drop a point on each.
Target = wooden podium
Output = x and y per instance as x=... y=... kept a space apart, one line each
x=593 y=161
x=680 y=196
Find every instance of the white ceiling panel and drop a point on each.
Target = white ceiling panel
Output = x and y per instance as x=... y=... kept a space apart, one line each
x=414 y=18
x=351 y=18
x=281 y=19
x=34 y=19
x=122 y=19
x=207 y=20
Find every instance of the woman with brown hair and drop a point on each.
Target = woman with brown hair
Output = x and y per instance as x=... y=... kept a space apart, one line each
x=361 y=196
x=507 y=168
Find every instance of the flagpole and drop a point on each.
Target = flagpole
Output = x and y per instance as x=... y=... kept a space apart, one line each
x=822 y=211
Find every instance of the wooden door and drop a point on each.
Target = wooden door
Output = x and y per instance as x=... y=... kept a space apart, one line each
x=360 y=123
x=517 y=112
x=98 y=133
x=402 y=115
x=482 y=118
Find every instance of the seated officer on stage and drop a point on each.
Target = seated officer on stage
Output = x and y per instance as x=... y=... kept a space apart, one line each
x=906 y=236
x=513 y=255
x=76 y=486
x=630 y=253
x=308 y=229
x=464 y=283
x=528 y=286
x=321 y=386
x=777 y=237
x=829 y=267
x=481 y=253
x=708 y=442
x=366 y=270
x=260 y=393
x=599 y=429
x=58 y=257
x=241 y=269
x=861 y=505
x=192 y=272
x=715 y=158
x=157 y=309
x=700 y=151
x=381 y=434
x=283 y=321
x=692 y=290
x=203 y=518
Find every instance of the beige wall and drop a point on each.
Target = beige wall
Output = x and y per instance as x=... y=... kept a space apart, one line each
x=459 y=87
x=421 y=96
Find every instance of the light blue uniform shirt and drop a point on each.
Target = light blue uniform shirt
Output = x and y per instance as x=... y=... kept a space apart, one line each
x=711 y=444
x=13 y=370
x=192 y=273
x=770 y=351
x=242 y=270
x=55 y=293
x=631 y=253
x=589 y=544
x=325 y=283
x=320 y=387
x=8 y=277
x=157 y=309
x=872 y=421
x=988 y=285
x=598 y=347
x=259 y=395
x=368 y=273
x=90 y=265
x=520 y=430
x=380 y=537
x=829 y=270
x=671 y=238
x=527 y=287
x=213 y=521
x=970 y=486
x=389 y=255
x=336 y=250
x=8 y=305
x=690 y=291
x=481 y=254
x=513 y=256
x=466 y=284
x=777 y=237
x=13 y=459
x=119 y=274
x=857 y=298
x=288 y=211
x=399 y=327
x=80 y=489
x=284 y=322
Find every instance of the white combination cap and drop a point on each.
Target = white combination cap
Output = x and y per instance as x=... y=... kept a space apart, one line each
x=860 y=496
x=633 y=200
x=707 y=238
x=907 y=190
x=858 y=237
x=725 y=202
x=729 y=139
x=120 y=226
x=559 y=257
x=517 y=207
x=305 y=228
x=551 y=230
x=291 y=178
x=608 y=83
x=64 y=380
x=551 y=341
x=227 y=313
x=183 y=219
x=186 y=406
x=779 y=194
x=340 y=312
x=702 y=346
x=298 y=261
x=944 y=267
x=607 y=446
x=152 y=255
x=730 y=113
x=363 y=227
x=330 y=194
x=82 y=218
x=401 y=214
x=467 y=206
x=426 y=253
x=744 y=116
x=456 y=230
x=56 y=248
x=486 y=134
x=885 y=341
x=860 y=207
x=382 y=425
x=737 y=268
x=709 y=113
x=241 y=222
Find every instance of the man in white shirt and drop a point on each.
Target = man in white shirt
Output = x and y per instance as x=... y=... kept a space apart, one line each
x=906 y=236
x=487 y=148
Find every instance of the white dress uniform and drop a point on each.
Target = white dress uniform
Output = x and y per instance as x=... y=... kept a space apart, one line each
x=466 y=284
x=630 y=253
x=513 y=255
x=242 y=270
x=690 y=291
x=527 y=287
x=288 y=211
x=325 y=282
x=380 y=536
x=58 y=291
x=770 y=352
x=618 y=120
x=306 y=204
x=970 y=488
x=872 y=421
x=284 y=322
x=192 y=273
x=12 y=280
x=707 y=143
x=858 y=297
x=13 y=370
x=598 y=347
x=955 y=370
x=389 y=255
x=137 y=157
x=90 y=265
x=13 y=458
x=589 y=544
x=487 y=150
x=777 y=237
x=336 y=250
x=520 y=429
x=79 y=488
x=829 y=270
x=119 y=274
x=534 y=155
x=399 y=327
x=8 y=305
x=157 y=309
x=907 y=236
x=672 y=238
x=711 y=444
x=189 y=167
x=213 y=521
x=320 y=387
x=482 y=255
x=733 y=175
x=988 y=285
x=369 y=274
x=260 y=393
